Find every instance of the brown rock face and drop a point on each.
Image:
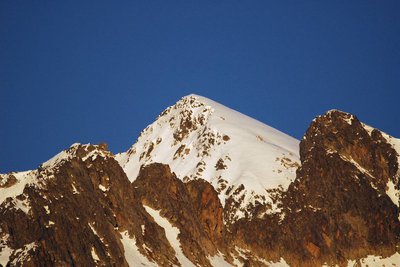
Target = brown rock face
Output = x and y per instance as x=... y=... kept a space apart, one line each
x=79 y=209
x=207 y=208
x=194 y=208
x=343 y=134
x=338 y=201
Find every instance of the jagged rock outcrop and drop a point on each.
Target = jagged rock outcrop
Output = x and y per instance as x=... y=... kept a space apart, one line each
x=160 y=189
x=77 y=213
x=341 y=190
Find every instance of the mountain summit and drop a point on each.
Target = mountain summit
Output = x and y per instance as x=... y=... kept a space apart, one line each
x=205 y=185
x=242 y=158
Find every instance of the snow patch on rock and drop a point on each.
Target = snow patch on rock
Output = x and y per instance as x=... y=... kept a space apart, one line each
x=372 y=260
x=171 y=233
x=218 y=260
x=131 y=252
x=5 y=251
x=95 y=257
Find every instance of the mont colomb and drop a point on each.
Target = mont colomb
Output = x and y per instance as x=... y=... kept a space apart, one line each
x=205 y=185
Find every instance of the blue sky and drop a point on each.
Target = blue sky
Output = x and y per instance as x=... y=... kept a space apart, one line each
x=101 y=71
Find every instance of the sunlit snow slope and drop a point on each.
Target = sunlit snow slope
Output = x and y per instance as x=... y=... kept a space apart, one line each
x=200 y=138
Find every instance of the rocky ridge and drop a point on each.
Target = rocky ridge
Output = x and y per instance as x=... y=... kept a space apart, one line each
x=83 y=208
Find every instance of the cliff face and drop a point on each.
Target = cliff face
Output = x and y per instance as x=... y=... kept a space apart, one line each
x=193 y=208
x=78 y=211
x=81 y=209
x=345 y=190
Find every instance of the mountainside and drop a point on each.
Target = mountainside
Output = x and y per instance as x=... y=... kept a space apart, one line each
x=244 y=160
x=207 y=186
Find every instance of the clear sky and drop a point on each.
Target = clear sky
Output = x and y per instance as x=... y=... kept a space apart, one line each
x=101 y=71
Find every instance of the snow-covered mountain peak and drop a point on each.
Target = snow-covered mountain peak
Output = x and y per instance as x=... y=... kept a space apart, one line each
x=233 y=201
x=198 y=138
